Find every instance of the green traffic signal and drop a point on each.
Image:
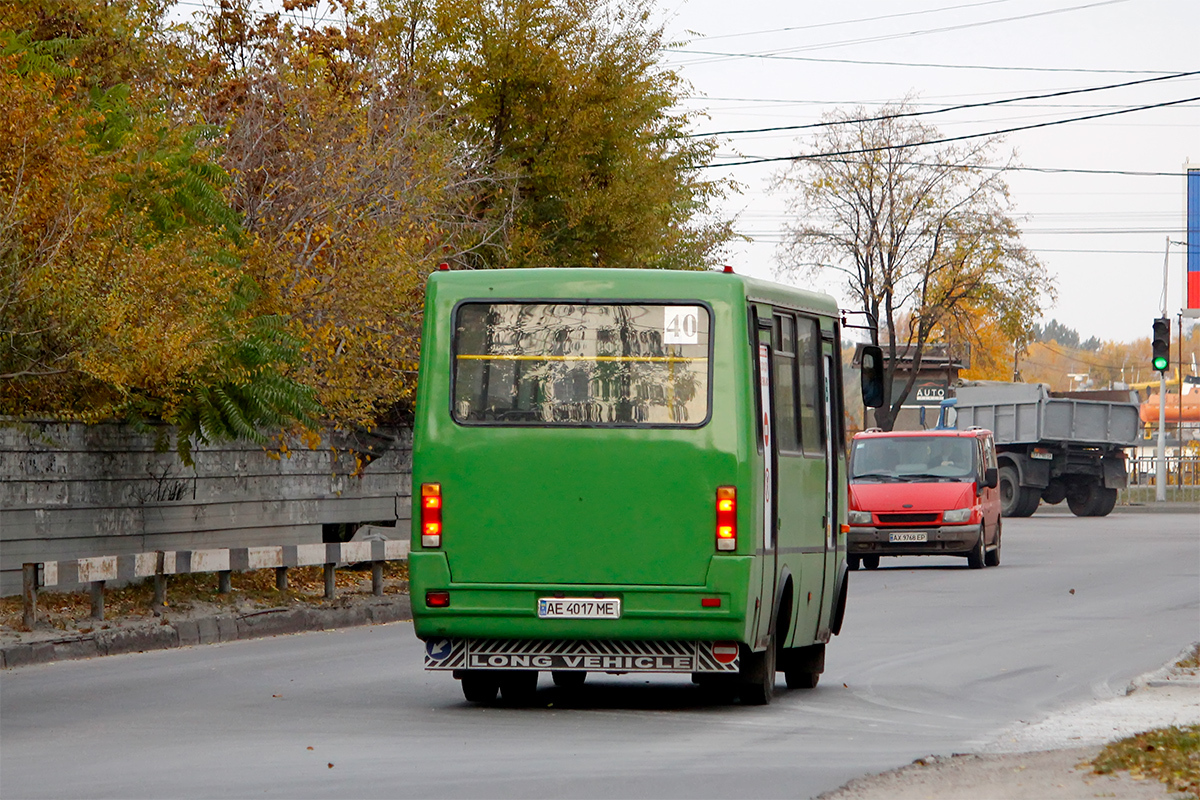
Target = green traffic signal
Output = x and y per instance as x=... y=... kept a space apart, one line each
x=1161 y=344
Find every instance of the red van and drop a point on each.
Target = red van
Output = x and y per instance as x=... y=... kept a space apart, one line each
x=924 y=493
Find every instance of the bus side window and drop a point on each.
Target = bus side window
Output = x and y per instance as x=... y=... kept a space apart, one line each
x=784 y=357
x=808 y=356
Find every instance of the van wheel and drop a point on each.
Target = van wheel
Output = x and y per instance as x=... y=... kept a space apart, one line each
x=518 y=687
x=992 y=557
x=756 y=685
x=479 y=686
x=871 y=562
x=977 y=558
x=568 y=679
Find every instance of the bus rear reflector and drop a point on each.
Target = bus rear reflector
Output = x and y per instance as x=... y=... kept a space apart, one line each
x=431 y=515
x=726 y=518
x=710 y=602
x=437 y=599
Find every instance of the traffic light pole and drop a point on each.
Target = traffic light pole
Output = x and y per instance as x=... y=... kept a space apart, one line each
x=1160 y=477
x=1160 y=473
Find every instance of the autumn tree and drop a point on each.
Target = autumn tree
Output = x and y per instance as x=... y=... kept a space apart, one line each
x=923 y=234
x=581 y=119
x=349 y=183
x=122 y=293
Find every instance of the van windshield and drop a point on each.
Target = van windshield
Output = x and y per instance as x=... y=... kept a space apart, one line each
x=581 y=364
x=913 y=458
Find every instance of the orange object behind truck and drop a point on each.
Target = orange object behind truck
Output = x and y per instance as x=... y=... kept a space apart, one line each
x=924 y=493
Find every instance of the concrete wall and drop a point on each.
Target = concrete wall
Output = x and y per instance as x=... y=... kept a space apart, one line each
x=69 y=490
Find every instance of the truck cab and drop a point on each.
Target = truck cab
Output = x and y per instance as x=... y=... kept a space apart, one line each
x=923 y=493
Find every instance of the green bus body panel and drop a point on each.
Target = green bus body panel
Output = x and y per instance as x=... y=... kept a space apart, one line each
x=533 y=511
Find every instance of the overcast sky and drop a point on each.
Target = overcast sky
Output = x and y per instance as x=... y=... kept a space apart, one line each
x=1102 y=236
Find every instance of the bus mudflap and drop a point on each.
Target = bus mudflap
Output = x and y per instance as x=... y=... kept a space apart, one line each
x=581 y=655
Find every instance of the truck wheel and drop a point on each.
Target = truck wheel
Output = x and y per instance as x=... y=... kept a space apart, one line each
x=1010 y=492
x=992 y=557
x=977 y=557
x=852 y=562
x=756 y=684
x=1030 y=497
x=479 y=686
x=871 y=562
x=1108 y=501
x=1055 y=492
x=1089 y=499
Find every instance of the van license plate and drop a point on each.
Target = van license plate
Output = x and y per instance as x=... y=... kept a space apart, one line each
x=579 y=608
x=908 y=536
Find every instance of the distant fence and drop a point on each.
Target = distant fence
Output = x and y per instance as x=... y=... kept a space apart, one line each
x=1182 y=470
x=73 y=492
x=96 y=572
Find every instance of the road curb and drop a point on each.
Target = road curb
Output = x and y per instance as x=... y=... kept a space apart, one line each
x=205 y=630
x=1045 y=509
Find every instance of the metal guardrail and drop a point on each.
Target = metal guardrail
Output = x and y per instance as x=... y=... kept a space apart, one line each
x=1182 y=470
x=160 y=564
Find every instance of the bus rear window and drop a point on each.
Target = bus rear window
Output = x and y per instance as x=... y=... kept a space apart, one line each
x=581 y=364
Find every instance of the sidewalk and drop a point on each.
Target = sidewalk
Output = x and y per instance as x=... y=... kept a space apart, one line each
x=1048 y=759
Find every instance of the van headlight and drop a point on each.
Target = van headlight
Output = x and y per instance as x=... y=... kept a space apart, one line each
x=858 y=517
x=957 y=515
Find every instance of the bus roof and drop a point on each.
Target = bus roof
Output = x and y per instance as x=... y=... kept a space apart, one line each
x=603 y=284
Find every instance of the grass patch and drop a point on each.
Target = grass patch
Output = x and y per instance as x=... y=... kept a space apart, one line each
x=1170 y=755
x=70 y=611
x=1190 y=661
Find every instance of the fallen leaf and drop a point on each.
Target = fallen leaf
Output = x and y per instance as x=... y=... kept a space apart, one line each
x=310 y=748
x=1072 y=591
x=331 y=765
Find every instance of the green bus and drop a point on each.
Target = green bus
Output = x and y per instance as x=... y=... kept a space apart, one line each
x=628 y=471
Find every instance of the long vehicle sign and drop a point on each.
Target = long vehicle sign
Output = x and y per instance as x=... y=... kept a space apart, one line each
x=590 y=655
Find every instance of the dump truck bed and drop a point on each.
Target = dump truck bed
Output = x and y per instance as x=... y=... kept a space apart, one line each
x=1023 y=413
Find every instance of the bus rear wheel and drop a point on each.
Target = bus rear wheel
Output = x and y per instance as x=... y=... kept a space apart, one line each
x=568 y=679
x=756 y=685
x=802 y=666
x=479 y=686
x=518 y=687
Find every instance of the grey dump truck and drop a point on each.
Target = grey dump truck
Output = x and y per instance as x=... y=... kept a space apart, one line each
x=1051 y=446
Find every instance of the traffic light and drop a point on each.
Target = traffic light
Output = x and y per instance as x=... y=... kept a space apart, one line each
x=1161 y=343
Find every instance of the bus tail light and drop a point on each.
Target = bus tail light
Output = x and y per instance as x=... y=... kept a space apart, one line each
x=431 y=515
x=726 y=518
x=437 y=599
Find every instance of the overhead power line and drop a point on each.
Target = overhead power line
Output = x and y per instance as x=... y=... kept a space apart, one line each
x=948 y=139
x=860 y=19
x=918 y=64
x=960 y=107
x=945 y=29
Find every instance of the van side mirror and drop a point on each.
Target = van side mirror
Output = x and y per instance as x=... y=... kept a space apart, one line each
x=991 y=477
x=871 y=361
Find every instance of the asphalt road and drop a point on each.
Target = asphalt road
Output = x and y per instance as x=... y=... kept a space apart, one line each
x=934 y=659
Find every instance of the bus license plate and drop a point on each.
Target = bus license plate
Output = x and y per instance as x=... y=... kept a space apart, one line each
x=579 y=608
x=908 y=536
